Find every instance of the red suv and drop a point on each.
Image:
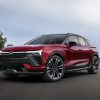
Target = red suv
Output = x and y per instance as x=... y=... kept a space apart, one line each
x=50 y=56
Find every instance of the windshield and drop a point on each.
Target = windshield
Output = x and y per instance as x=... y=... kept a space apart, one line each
x=48 y=39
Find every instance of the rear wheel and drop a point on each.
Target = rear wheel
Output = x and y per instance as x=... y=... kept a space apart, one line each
x=55 y=69
x=94 y=67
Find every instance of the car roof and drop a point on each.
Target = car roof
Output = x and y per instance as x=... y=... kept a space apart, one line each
x=69 y=34
x=64 y=34
x=74 y=34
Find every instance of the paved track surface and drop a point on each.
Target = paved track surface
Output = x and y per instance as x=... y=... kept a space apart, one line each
x=74 y=86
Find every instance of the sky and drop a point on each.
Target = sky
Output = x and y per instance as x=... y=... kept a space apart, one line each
x=22 y=20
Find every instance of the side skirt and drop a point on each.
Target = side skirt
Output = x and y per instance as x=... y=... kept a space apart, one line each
x=77 y=69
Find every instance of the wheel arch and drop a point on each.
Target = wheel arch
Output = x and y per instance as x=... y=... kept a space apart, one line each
x=57 y=53
x=96 y=54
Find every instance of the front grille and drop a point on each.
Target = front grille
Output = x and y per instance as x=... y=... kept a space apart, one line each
x=13 y=55
x=17 y=67
x=18 y=55
x=16 y=60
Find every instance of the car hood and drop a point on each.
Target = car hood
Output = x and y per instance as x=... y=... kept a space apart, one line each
x=22 y=48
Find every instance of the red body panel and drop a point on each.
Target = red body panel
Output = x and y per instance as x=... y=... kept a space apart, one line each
x=71 y=54
x=50 y=56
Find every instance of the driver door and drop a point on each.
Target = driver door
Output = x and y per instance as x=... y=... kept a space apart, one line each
x=73 y=51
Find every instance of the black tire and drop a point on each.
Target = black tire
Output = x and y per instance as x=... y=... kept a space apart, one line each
x=94 y=67
x=55 y=69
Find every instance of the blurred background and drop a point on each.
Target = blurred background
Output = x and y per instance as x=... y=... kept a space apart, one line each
x=21 y=20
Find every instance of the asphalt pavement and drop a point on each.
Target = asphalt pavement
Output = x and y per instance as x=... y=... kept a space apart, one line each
x=74 y=86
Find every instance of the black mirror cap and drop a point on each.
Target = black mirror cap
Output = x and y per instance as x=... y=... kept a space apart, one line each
x=72 y=43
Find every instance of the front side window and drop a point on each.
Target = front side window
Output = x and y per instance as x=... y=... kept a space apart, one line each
x=48 y=39
x=73 y=39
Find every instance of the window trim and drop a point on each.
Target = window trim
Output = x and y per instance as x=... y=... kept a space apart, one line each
x=84 y=41
x=87 y=42
x=67 y=39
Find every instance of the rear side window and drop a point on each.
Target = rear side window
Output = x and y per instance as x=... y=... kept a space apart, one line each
x=82 y=41
x=73 y=39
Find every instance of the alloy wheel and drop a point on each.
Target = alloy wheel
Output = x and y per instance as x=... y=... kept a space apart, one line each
x=55 y=68
x=94 y=66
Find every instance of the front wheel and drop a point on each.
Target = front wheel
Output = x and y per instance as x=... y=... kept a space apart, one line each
x=94 y=67
x=55 y=69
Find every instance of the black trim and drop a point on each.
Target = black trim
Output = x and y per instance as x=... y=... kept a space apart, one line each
x=16 y=61
x=77 y=67
x=72 y=34
x=12 y=71
x=95 y=54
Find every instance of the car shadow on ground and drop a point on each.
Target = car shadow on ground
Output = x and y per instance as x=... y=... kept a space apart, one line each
x=38 y=79
x=73 y=74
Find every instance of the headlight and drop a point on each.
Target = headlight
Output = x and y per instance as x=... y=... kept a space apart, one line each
x=38 y=52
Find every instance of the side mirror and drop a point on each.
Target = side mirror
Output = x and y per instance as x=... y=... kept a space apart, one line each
x=72 y=43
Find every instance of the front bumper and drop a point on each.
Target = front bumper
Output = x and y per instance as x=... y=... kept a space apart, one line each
x=13 y=71
x=21 y=63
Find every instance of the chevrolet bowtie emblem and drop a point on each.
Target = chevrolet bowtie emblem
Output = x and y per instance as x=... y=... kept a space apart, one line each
x=11 y=53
